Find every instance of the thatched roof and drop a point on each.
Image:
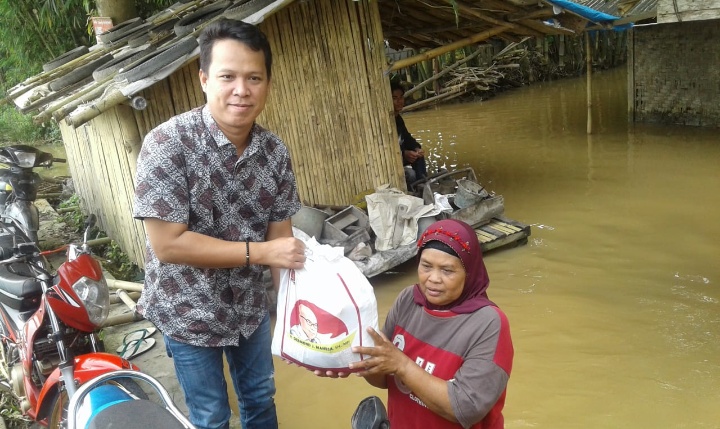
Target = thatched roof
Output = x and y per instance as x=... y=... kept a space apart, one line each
x=437 y=25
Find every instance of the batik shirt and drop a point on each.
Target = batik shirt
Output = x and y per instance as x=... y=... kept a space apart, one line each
x=189 y=172
x=473 y=352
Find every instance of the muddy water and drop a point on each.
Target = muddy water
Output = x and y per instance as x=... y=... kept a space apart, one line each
x=58 y=169
x=614 y=303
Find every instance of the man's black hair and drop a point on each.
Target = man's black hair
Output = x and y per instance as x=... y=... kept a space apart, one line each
x=232 y=29
x=395 y=86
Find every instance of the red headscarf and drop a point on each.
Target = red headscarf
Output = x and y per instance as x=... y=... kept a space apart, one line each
x=461 y=238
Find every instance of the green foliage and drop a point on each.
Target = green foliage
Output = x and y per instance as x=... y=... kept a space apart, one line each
x=114 y=260
x=149 y=7
x=75 y=219
x=118 y=264
x=15 y=127
x=33 y=32
x=10 y=412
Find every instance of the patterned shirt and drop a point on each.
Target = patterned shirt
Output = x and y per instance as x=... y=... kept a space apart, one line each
x=189 y=172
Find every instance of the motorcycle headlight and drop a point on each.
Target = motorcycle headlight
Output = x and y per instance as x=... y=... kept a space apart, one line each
x=95 y=296
x=25 y=159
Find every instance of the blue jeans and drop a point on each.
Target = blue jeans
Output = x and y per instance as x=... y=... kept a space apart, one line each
x=200 y=373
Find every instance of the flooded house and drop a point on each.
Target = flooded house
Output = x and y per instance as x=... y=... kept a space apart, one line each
x=330 y=102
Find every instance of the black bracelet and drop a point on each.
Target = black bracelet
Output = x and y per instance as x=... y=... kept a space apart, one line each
x=247 y=253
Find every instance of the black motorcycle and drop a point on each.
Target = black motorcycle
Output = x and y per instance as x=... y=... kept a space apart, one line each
x=19 y=185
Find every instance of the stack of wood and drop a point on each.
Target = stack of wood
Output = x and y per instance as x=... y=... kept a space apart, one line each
x=463 y=79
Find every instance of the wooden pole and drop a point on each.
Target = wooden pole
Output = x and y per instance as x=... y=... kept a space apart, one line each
x=449 y=93
x=81 y=116
x=114 y=299
x=122 y=319
x=407 y=62
x=588 y=62
x=121 y=284
x=631 y=76
x=445 y=71
x=124 y=297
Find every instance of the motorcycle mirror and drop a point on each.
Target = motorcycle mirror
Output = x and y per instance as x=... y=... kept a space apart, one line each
x=370 y=414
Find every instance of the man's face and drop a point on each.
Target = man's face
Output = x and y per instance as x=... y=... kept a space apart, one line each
x=236 y=85
x=398 y=100
x=308 y=322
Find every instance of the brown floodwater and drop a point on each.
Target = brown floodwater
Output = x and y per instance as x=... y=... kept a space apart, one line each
x=614 y=303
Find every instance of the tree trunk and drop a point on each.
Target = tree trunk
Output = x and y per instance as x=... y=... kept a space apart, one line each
x=117 y=10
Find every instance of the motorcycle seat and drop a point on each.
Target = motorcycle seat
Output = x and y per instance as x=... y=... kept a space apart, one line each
x=18 y=284
x=135 y=414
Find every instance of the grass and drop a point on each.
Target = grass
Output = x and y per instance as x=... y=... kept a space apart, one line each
x=10 y=412
x=17 y=128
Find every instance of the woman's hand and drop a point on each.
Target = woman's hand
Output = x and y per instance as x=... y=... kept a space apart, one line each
x=319 y=373
x=331 y=374
x=384 y=358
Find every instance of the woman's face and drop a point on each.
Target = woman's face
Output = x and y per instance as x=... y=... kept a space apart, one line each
x=441 y=277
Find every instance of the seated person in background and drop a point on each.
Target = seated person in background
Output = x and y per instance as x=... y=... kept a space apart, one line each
x=410 y=149
x=445 y=354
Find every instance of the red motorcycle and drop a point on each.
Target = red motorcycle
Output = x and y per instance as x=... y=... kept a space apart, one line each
x=49 y=344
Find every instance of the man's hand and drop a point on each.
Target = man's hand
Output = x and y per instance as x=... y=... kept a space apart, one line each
x=412 y=155
x=284 y=252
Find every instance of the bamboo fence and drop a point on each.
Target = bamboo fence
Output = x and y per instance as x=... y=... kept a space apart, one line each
x=330 y=101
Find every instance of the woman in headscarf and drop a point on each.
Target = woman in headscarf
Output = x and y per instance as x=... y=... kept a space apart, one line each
x=445 y=353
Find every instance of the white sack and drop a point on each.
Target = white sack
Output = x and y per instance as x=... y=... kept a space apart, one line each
x=394 y=215
x=323 y=310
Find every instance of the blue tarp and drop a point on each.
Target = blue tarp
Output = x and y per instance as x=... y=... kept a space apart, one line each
x=589 y=13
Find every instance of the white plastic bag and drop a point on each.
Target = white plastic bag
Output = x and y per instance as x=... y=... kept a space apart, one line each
x=323 y=310
x=394 y=215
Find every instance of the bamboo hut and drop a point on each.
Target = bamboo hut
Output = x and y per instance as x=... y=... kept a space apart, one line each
x=330 y=100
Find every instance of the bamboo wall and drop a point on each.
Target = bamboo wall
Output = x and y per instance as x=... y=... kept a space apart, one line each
x=329 y=102
x=673 y=74
x=101 y=157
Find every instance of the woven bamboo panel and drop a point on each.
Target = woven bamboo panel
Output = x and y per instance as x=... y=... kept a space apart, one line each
x=330 y=101
x=675 y=74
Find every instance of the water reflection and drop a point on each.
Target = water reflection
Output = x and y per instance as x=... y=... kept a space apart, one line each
x=614 y=301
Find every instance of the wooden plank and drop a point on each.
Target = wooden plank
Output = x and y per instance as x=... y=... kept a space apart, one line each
x=503 y=241
x=509 y=226
x=506 y=227
x=500 y=230
x=484 y=236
